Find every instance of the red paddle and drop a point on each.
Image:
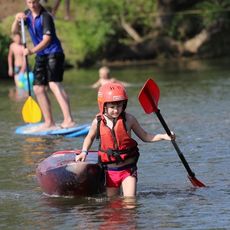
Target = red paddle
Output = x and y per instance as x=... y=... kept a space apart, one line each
x=149 y=97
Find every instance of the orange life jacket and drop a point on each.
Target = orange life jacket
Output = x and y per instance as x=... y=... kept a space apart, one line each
x=116 y=145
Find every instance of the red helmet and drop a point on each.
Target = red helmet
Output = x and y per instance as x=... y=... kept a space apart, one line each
x=111 y=92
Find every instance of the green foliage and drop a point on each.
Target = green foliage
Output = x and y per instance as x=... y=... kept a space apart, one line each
x=96 y=25
x=138 y=13
x=5 y=25
x=188 y=23
x=213 y=10
x=67 y=34
x=4 y=44
x=93 y=36
x=184 y=26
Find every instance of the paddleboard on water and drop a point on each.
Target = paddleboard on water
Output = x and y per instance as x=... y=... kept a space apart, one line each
x=82 y=132
x=60 y=175
x=33 y=129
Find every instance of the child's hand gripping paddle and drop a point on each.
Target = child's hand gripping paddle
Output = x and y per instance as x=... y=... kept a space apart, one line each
x=31 y=112
x=149 y=97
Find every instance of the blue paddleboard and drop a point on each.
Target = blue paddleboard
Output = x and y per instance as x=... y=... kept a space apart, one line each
x=82 y=132
x=31 y=129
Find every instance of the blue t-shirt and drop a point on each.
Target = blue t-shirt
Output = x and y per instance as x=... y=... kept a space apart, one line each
x=43 y=24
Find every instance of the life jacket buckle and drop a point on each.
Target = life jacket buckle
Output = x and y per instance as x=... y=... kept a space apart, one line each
x=115 y=154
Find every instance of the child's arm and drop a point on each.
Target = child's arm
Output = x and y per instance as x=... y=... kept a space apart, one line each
x=125 y=84
x=96 y=84
x=143 y=135
x=87 y=142
x=10 y=62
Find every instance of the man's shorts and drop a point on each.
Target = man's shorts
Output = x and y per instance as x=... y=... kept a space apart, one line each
x=115 y=177
x=49 y=68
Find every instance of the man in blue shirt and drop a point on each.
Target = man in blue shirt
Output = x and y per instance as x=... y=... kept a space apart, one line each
x=49 y=61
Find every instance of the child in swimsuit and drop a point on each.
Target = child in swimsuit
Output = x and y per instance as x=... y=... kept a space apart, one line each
x=16 y=60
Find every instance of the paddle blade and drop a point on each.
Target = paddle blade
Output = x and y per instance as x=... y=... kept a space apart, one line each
x=149 y=96
x=31 y=112
x=195 y=182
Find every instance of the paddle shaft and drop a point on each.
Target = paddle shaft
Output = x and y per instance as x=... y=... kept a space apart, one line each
x=180 y=154
x=26 y=57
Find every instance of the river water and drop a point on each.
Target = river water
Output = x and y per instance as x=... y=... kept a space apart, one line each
x=195 y=104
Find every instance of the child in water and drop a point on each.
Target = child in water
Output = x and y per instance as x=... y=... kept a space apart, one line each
x=118 y=152
x=104 y=77
x=16 y=59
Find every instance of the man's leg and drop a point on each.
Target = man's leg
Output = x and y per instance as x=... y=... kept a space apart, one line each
x=63 y=102
x=44 y=103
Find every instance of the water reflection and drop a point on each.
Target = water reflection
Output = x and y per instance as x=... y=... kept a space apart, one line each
x=103 y=212
x=16 y=94
x=119 y=213
x=37 y=148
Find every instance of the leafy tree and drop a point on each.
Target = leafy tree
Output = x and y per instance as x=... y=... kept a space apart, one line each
x=104 y=24
x=4 y=44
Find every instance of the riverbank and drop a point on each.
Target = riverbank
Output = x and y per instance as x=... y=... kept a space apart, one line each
x=93 y=37
x=9 y=7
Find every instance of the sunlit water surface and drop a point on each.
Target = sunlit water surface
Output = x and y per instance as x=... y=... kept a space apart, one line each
x=195 y=104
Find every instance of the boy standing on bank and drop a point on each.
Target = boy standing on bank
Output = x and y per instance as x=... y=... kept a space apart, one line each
x=118 y=152
x=49 y=62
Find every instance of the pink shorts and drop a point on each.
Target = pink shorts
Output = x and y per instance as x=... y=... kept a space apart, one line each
x=114 y=178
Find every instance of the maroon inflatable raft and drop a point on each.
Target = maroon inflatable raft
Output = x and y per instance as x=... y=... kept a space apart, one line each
x=60 y=175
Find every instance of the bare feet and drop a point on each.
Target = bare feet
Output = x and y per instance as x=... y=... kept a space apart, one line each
x=66 y=125
x=43 y=127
